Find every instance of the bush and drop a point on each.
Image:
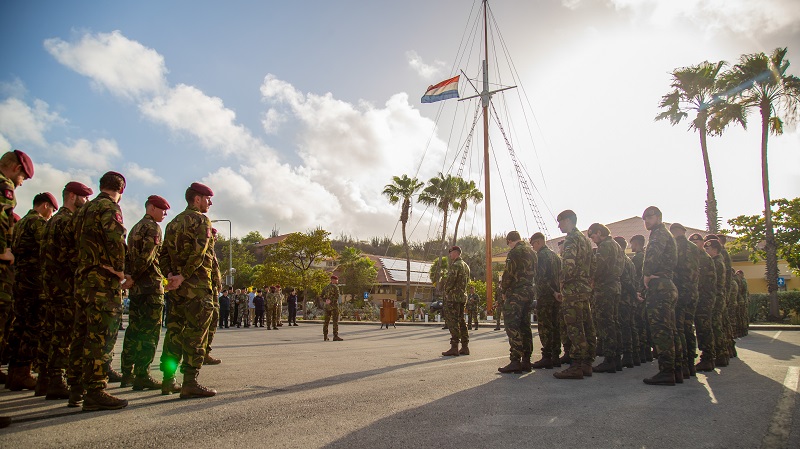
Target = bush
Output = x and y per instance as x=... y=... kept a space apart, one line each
x=788 y=304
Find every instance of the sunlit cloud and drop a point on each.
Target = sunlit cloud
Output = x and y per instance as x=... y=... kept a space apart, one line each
x=424 y=70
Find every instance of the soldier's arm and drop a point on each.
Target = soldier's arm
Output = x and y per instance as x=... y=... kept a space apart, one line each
x=655 y=247
x=7 y=203
x=111 y=222
x=195 y=247
x=509 y=274
x=555 y=277
x=143 y=251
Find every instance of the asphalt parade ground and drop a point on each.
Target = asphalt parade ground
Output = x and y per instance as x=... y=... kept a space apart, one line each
x=391 y=388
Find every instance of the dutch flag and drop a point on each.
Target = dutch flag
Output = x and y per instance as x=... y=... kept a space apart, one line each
x=442 y=91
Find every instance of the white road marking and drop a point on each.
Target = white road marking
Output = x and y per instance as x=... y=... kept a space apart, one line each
x=775 y=337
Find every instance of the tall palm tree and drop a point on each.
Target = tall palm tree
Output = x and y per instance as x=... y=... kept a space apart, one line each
x=760 y=82
x=403 y=189
x=440 y=192
x=466 y=192
x=695 y=89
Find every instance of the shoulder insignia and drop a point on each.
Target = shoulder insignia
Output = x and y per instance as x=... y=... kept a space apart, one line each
x=118 y=217
x=8 y=193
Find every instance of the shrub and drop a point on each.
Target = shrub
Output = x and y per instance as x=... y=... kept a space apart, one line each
x=788 y=304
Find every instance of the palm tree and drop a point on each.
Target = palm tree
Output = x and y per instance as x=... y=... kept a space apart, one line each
x=441 y=192
x=402 y=189
x=695 y=89
x=465 y=192
x=759 y=81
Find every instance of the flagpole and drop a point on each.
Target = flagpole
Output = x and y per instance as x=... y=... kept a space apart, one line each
x=485 y=98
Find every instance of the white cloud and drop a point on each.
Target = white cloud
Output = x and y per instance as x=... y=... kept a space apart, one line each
x=21 y=123
x=426 y=71
x=272 y=120
x=84 y=153
x=571 y=4
x=48 y=179
x=114 y=62
x=146 y=175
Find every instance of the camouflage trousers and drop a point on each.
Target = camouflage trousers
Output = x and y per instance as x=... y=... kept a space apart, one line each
x=103 y=315
x=498 y=310
x=187 y=331
x=629 y=335
x=6 y=317
x=45 y=334
x=661 y=298
x=690 y=348
x=577 y=315
x=472 y=317
x=238 y=310
x=61 y=318
x=23 y=342
x=212 y=325
x=718 y=322
x=142 y=334
x=562 y=331
x=75 y=363
x=517 y=310
x=271 y=316
x=681 y=357
x=548 y=316
x=642 y=325
x=330 y=314
x=454 y=318
x=606 y=309
x=704 y=318
x=278 y=311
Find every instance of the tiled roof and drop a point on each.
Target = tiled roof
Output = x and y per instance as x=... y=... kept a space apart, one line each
x=272 y=240
x=392 y=270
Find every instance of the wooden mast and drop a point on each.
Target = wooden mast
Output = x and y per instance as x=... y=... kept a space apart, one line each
x=485 y=99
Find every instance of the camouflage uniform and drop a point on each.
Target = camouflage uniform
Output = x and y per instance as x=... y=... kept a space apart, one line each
x=548 y=309
x=100 y=238
x=472 y=309
x=608 y=264
x=726 y=324
x=241 y=308
x=576 y=264
x=629 y=337
x=720 y=308
x=29 y=314
x=659 y=260
x=705 y=315
x=498 y=307
x=733 y=305
x=272 y=301
x=278 y=307
x=7 y=203
x=640 y=312
x=455 y=289
x=744 y=306
x=185 y=252
x=146 y=298
x=216 y=286
x=518 y=288
x=687 y=272
x=330 y=292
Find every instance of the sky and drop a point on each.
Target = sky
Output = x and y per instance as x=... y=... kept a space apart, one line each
x=298 y=113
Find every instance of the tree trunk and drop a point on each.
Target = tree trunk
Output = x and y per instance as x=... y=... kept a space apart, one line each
x=408 y=267
x=712 y=218
x=458 y=220
x=770 y=248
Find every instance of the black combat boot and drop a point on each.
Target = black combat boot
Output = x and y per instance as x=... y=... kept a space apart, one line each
x=464 y=348
x=192 y=389
x=75 y=396
x=146 y=383
x=627 y=360
x=127 y=380
x=636 y=360
x=169 y=385
x=692 y=370
x=526 y=364
x=513 y=367
x=586 y=366
x=543 y=363
x=721 y=362
x=20 y=378
x=336 y=337
x=685 y=371
x=5 y=421
x=607 y=366
x=649 y=355
x=664 y=377
x=575 y=371
x=678 y=375
x=618 y=363
x=453 y=351
x=57 y=389
x=100 y=400
x=42 y=383
x=565 y=359
x=114 y=375
x=705 y=365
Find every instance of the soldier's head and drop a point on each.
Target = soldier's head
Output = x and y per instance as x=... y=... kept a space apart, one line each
x=512 y=238
x=652 y=217
x=637 y=243
x=238 y=291
x=537 y=241
x=16 y=166
x=454 y=253
x=472 y=289
x=199 y=196
x=113 y=184
x=75 y=195
x=156 y=207
x=722 y=239
x=713 y=247
x=677 y=230
x=621 y=242
x=740 y=273
x=598 y=232
x=45 y=204
x=334 y=279
x=697 y=239
x=567 y=220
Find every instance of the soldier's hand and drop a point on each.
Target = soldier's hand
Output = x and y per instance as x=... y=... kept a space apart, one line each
x=174 y=282
x=7 y=256
x=119 y=274
x=639 y=297
x=128 y=282
x=327 y=301
x=559 y=297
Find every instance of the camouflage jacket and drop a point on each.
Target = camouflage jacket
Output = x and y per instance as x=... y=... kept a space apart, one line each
x=628 y=279
x=661 y=254
x=185 y=250
x=455 y=285
x=719 y=269
x=726 y=259
x=26 y=245
x=330 y=291
x=271 y=299
x=638 y=261
x=733 y=295
x=608 y=264
x=548 y=273
x=687 y=265
x=7 y=204
x=57 y=252
x=216 y=274
x=744 y=291
x=144 y=245
x=707 y=275
x=472 y=302
x=520 y=269
x=100 y=240
x=576 y=262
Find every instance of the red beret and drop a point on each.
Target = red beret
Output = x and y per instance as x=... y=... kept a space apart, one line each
x=26 y=162
x=16 y=217
x=202 y=189
x=333 y=276
x=52 y=199
x=213 y=231
x=455 y=248
x=158 y=202
x=78 y=189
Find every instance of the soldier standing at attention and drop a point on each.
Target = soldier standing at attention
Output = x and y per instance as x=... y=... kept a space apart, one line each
x=15 y=167
x=271 y=301
x=224 y=309
x=640 y=315
x=187 y=259
x=574 y=295
x=292 y=305
x=629 y=339
x=279 y=305
x=657 y=271
x=100 y=239
x=472 y=308
x=29 y=312
x=608 y=264
x=455 y=290
x=687 y=272
x=146 y=297
x=216 y=285
x=744 y=303
x=704 y=313
x=518 y=287
x=498 y=307
x=548 y=310
x=58 y=279
x=330 y=297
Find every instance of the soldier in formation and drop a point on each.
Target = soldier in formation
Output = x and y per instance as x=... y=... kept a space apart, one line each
x=472 y=308
x=455 y=290
x=330 y=297
x=517 y=286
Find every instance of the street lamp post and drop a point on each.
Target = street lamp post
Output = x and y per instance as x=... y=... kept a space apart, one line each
x=230 y=250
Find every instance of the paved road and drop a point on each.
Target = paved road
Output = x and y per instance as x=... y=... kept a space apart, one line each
x=390 y=388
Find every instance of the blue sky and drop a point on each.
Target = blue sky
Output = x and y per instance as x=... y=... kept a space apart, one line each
x=297 y=113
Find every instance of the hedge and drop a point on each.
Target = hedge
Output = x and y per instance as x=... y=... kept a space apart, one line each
x=788 y=303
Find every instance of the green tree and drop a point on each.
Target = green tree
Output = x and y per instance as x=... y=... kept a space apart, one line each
x=751 y=230
x=441 y=192
x=466 y=192
x=760 y=82
x=402 y=189
x=438 y=271
x=243 y=260
x=359 y=273
x=300 y=251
